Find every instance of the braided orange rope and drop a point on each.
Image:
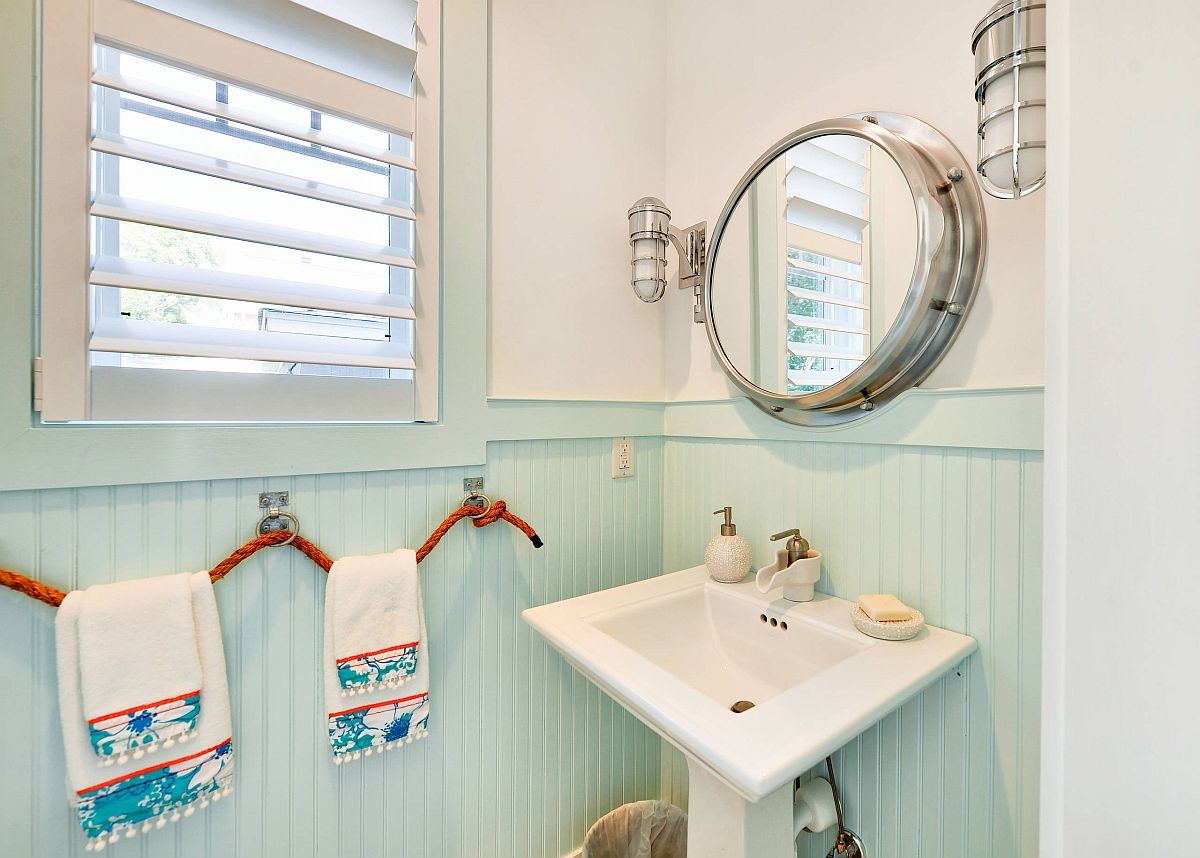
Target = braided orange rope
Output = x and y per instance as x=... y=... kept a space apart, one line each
x=496 y=512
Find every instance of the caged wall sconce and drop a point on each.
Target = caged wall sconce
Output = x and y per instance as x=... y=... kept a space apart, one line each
x=1010 y=88
x=649 y=231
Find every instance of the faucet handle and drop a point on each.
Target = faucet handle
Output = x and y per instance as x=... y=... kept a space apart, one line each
x=797 y=545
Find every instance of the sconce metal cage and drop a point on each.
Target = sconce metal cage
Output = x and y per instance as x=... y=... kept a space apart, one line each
x=650 y=230
x=1009 y=45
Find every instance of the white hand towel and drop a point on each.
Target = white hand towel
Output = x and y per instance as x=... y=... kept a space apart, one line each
x=375 y=641
x=119 y=800
x=133 y=712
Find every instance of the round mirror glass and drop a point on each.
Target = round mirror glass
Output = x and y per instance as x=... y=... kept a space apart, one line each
x=813 y=264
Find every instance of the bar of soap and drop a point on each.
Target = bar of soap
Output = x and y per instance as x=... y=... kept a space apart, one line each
x=884 y=608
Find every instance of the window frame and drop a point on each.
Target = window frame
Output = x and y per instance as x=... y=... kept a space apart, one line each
x=65 y=378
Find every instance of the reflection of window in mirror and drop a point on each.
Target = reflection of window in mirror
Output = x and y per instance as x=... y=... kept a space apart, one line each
x=827 y=260
x=810 y=278
x=829 y=277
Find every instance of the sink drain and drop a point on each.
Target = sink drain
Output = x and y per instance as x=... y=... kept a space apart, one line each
x=741 y=706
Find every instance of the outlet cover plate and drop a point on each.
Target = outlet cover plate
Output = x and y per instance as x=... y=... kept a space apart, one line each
x=622 y=458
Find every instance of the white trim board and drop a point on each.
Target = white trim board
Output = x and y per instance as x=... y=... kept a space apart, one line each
x=61 y=456
x=1004 y=418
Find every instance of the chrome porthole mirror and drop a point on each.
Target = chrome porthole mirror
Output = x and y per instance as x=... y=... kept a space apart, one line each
x=843 y=266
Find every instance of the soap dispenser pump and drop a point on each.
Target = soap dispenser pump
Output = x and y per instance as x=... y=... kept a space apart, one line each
x=728 y=555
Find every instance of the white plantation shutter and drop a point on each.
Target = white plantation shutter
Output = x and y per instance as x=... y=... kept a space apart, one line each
x=827 y=260
x=240 y=210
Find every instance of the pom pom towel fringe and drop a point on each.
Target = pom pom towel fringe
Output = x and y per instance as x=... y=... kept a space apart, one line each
x=385 y=668
x=152 y=797
x=145 y=729
x=355 y=733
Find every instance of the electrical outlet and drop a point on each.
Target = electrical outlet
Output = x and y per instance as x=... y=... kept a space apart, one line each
x=622 y=457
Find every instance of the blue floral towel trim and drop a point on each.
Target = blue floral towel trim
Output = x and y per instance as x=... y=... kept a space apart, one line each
x=157 y=791
x=144 y=726
x=378 y=724
x=389 y=666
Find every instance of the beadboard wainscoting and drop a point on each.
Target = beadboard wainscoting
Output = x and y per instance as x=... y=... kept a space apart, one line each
x=954 y=532
x=522 y=754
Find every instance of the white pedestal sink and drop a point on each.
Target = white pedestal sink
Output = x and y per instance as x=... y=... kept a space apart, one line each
x=678 y=651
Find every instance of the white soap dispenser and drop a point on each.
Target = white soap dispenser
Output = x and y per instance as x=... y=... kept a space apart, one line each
x=728 y=555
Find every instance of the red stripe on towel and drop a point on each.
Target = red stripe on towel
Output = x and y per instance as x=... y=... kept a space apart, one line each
x=377 y=652
x=380 y=703
x=155 y=768
x=143 y=706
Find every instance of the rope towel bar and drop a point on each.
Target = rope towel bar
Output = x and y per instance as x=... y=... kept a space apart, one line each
x=495 y=512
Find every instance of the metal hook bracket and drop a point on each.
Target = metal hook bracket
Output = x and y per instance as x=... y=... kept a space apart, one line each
x=275 y=518
x=481 y=503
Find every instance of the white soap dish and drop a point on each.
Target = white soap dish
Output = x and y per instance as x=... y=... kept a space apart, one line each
x=894 y=630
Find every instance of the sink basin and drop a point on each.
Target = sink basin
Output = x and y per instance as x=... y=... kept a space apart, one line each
x=679 y=651
x=715 y=641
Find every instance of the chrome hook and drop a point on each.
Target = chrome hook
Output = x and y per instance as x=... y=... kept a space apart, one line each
x=481 y=509
x=275 y=518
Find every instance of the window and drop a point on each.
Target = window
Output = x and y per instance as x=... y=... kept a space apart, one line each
x=828 y=260
x=828 y=327
x=246 y=228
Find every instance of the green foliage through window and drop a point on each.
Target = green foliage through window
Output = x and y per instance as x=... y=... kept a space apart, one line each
x=170 y=247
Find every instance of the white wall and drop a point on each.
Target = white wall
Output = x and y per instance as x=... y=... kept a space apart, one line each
x=1121 y=747
x=577 y=136
x=742 y=75
x=589 y=99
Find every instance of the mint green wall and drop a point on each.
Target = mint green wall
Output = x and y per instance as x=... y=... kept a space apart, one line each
x=957 y=534
x=522 y=754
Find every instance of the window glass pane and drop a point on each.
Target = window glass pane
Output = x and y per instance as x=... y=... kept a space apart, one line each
x=175 y=247
x=799 y=258
x=201 y=86
x=821 y=364
x=185 y=129
x=363 y=134
x=255 y=102
x=202 y=364
x=851 y=290
x=833 y=341
x=222 y=198
x=141 y=68
x=836 y=313
x=139 y=305
x=155 y=122
x=810 y=374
